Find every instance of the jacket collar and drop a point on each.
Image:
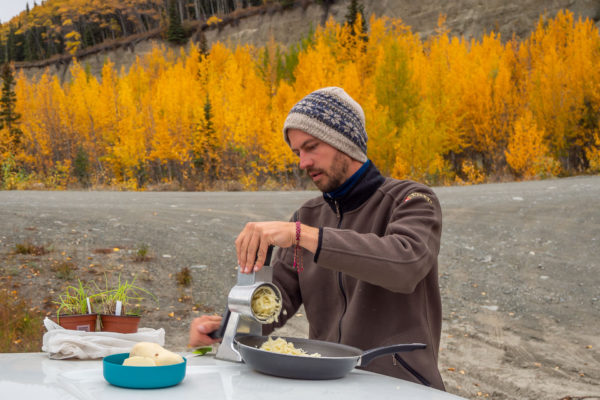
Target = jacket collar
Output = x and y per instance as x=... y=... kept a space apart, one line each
x=360 y=188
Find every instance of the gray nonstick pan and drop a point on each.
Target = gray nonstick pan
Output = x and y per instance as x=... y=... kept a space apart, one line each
x=336 y=360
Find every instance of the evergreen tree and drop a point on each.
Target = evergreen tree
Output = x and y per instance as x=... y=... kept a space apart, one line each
x=30 y=50
x=175 y=32
x=82 y=167
x=88 y=35
x=3 y=51
x=354 y=8
x=16 y=44
x=209 y=130
x=285 y=70
x=11 y=45
x=207 y=160
x=8 y=117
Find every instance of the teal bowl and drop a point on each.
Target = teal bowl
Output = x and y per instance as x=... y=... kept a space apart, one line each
x=141 y=377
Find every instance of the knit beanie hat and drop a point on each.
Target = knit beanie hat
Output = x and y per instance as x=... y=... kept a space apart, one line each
x=331 y=115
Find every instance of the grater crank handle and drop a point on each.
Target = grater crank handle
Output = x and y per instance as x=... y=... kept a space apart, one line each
x=218 y=334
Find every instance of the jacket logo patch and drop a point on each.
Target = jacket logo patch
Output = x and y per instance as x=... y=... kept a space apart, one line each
x=417 y=194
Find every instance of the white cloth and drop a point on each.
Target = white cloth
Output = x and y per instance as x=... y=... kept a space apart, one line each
x=62 y=343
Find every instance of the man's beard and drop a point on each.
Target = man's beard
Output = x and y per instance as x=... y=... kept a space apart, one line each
x=336 y=176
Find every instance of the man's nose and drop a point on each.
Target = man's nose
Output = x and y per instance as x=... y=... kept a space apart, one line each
x=305 y=161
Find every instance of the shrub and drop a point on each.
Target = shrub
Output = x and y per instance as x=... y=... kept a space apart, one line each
x=184 y=277
x=30 y=248
x=21 y=327
x=64 y=270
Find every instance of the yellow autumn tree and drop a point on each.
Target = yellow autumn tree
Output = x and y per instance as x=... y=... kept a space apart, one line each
x=419 y=150
x=437 y=71
x=563 y=84
x=593 y=155
x=396 y=96
x=487 y=102
x=527 y=153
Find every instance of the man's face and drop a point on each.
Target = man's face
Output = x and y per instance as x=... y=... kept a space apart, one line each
x=327 y=166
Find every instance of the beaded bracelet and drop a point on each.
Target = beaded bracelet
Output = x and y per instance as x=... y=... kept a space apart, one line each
x=298 y=264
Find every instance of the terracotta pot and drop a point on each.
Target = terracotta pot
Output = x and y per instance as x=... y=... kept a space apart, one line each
x=78 y=322
x=119 y=323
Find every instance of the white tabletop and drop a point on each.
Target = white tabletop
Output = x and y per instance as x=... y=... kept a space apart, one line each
x=35 y=375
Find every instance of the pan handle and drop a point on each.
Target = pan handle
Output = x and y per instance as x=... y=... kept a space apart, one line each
x=370 y=355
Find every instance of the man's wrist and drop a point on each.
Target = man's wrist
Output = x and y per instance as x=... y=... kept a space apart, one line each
x=309 y=238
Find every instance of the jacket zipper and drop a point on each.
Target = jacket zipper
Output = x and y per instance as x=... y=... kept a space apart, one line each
x=337 y=212
x=340 y=282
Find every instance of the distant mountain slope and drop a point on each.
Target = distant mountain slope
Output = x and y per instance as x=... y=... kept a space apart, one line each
x=469 y=18
x=57 y=27
x=146 y=23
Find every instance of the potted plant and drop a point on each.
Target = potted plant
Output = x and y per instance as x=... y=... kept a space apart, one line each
x=75 y=309
x=120 y=306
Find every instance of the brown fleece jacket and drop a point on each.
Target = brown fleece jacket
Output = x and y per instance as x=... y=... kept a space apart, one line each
x=374 y=278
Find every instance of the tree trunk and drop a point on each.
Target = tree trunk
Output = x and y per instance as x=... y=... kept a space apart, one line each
x=122 y=21
x=181 y=10
x=142 y=26
x=197 y=8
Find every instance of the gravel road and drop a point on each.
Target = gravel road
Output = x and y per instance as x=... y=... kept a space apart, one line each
x=519 y=270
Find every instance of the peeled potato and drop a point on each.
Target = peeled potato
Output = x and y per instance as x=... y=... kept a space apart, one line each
x=137 y=361
x=155 y=352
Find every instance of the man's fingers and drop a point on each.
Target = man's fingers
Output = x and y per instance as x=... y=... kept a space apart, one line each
x=253 y=242
x=261 y=255
x=201 y=327
x=251 y=250
x=208 y=327
x=239 y=243
x=242 y=245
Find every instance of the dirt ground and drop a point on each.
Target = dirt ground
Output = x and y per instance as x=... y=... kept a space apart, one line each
x=519 y=270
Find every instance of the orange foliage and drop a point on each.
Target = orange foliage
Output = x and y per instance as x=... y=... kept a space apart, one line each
x=527 y=153
x=441 y=110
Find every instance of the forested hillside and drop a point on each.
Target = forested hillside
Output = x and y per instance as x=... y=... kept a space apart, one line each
x=444 y=110
x=67 y=26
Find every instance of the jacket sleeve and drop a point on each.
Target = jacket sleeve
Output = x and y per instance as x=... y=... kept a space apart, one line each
x=400 y=258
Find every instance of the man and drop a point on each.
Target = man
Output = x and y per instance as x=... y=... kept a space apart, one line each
x=362 y=258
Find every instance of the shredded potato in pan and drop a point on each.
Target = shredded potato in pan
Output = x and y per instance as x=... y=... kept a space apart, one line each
x=280 y=345
x=266 y=305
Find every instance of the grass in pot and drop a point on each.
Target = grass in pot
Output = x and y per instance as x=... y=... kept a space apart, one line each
x=120 y=306
x=75 y=309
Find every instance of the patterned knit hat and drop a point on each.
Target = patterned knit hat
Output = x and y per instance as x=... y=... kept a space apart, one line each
x=331 y=115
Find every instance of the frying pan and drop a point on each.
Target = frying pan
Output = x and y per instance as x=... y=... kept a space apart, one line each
x=335 y=362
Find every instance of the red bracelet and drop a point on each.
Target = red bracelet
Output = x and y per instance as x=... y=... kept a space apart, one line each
x=297 y=233
x=299 y=266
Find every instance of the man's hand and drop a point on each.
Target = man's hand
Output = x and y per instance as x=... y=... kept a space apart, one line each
x=201 y=327
x=256 y=237
x=253 y=242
